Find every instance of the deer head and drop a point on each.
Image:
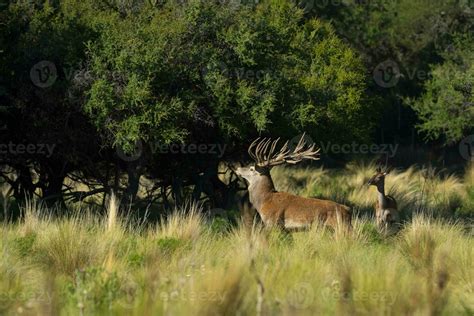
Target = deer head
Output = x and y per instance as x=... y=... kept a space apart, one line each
x=379 y=177
x=263 y=152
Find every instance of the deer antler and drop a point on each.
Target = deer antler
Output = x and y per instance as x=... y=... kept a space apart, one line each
x=265 y=156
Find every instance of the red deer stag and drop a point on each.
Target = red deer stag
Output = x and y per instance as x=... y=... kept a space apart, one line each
x=282 y=209
x=386 y=209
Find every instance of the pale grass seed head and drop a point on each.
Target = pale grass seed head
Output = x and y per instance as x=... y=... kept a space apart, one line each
x=112 y=212
x=186 y=223
x=36 y=216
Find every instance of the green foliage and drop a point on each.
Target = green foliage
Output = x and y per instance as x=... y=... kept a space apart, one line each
x=126 y=98
x=169 y=245
x=53 y=34
x=129 y=248
x=24 y=244
x=446 y=109
x=136 y=259
x=415 y=34
x=373 y=235
x=220 y=225
x=211 y=72
x=412 y=32
x=262 y=68
x=93 y=289
x=466 y=210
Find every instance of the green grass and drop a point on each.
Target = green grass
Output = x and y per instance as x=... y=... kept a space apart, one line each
x=187 y=264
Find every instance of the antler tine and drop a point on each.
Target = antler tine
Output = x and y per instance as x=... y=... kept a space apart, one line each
x=311 y=153
x=272 y=148
x=284 y=150
x=265 y=150
x=301 y=143
x=260 y=151
x=251 y=154
x=299 y=154
x=280 y=156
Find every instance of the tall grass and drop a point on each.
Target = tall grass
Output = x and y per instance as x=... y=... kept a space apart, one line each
x=80 y=266
x=416 y=190
x=83 y=264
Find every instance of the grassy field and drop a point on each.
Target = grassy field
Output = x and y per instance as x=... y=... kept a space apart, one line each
x=190 y=264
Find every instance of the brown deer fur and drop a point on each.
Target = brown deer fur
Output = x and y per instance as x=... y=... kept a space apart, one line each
x=286 y=210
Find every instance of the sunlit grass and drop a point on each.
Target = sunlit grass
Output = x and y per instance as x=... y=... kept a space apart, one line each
x=85 y=264
x=79 y=265
x=416 y=190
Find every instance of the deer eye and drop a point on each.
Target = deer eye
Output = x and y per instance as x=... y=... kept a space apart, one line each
x=252 y=168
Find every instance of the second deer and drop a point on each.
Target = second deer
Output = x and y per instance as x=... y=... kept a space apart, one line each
x=283 y=209
x=386 y=209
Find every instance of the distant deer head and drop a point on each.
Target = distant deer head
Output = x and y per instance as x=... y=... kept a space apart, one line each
x=379 y=177
x=280 y=208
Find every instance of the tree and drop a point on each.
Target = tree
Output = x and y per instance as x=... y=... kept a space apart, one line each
x=248 y=69
x=446 y=108
x=413 y=33
x=44 y=126
x=162 y=73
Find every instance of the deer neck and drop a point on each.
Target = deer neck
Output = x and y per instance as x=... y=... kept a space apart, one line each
x=261 y=190
x=381 y=195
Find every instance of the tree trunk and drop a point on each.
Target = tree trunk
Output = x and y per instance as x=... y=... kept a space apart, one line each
x=53 y=191
x=133 y=184
x=24 y=184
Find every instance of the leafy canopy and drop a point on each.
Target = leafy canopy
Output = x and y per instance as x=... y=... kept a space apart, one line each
x=446 y=108
x=252 y=69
